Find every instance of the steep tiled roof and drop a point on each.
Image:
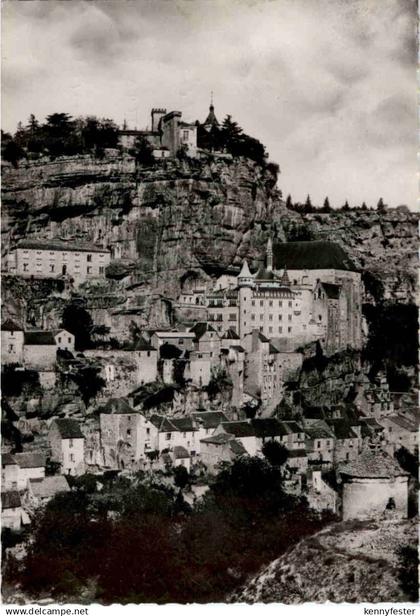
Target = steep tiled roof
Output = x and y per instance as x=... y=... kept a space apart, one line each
x=311 y=256
x=183 y=424
x=238 y=428
x=163 y=424
x=200 y=328
x=341 y=428
x=11 y=326
x=142 y=345
x=7 y=460
x=68 y=428
x=210 y=419
x=49 y=486
x=237 y=448
x=292 y=427
x=30 y=459
x=267 y=427
x=230 y=334
x=60 y=245
x=218 y=439
x=403 y=422
x=372 y=464
x=265 y=274
x=10 y=500
x=180 y=453
x=39 y=337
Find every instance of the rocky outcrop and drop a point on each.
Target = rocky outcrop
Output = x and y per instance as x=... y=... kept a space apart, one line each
x=352 y=561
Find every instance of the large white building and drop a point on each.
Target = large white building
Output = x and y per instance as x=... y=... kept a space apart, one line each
x=307 y=291
x=55 y=258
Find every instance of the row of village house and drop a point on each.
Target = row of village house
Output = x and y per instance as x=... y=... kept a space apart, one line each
x=123 y=438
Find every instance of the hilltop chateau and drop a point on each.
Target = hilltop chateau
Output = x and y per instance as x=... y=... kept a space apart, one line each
x=168 y=132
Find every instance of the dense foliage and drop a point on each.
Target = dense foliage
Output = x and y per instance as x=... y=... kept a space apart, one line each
x=140 y=542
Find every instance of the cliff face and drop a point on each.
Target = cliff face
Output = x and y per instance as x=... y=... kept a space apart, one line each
x=189 y=218
x=176 y=217
x=351 y=561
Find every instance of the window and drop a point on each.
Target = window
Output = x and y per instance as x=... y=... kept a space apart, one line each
x=69 y=340
x=280 y=317
x=89 y=269
x=261 y=317
x=180 y=341
x=318 y=444
x=51 y=268
x=289 y=329
x=252 y=317
x=72 y=457
x=270 y=317
x=253 y=302
x=168 y=436
x=261 y=302
x=89 y=258
x=280 y=330
x=290 y=304
x=148 y=431
x=128 y=432
x=11 y=348
x=270 y=330
x=59 y=338
x=185 y=135
x=101 y=269
x=70 y=442
x=280 y=303
x=290 y=317
x=184 y=434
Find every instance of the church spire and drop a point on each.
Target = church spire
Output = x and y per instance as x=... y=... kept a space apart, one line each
x=211 y=119
x=269 y=255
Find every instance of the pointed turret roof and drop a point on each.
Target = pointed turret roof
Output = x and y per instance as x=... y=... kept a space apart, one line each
x=285 y=280
x=211 y=118
x=245 y=271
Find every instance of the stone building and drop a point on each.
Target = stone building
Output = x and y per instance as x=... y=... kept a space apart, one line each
x=223 y=309
x=40 y=350
x=373 y=486
x=67 y=445
x=54 y=258
x=168 y=133
x=11 y=510
x=307 y=291
x=219 y=448
x=207 y=341
x=11 y=343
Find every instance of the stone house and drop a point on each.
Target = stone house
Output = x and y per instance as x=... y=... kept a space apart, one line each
x=319 y=442
x=218 y=448
x=206 y=422
x=147 y=357
x=40 y=491
x=67 y=445
x=198 y=368
x=347 y=440
x=40 y=350
x=184 y=341
x=9 y=472
x=11 y=510
x=323 y=493
x=373 y=486
x=64 y=340
x=31 y=466
x=54 y=258
x=297 y=461
x=294 y=437
x=181 y=457
x=207 y=341
x=11 y=343
x=399 y=432
x=267 y=429
x=244 y=433
x=174 y=432
x=126 y=435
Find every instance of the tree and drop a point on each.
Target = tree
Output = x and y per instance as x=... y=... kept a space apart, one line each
x=143 y=152
x=346 y=207
x=308 y=208
x=289 y=203
x=326 y=207
x=13 y=153
x=364 y=206
x=275 y=452
x=381 y=205
x=181 y=477
x=88 y=380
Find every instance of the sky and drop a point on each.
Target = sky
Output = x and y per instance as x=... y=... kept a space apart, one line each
x=329 y=86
